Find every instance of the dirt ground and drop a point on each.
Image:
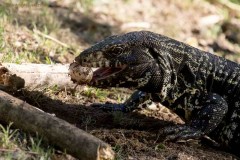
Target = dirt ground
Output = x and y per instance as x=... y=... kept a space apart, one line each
x=133 y=135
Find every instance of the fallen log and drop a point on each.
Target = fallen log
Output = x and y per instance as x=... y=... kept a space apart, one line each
x=38 y=75
x=58 y=132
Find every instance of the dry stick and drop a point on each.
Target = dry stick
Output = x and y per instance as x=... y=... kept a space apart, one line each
x=51 y=38
x=58 y=132
x=230 y=5
x=17 y=150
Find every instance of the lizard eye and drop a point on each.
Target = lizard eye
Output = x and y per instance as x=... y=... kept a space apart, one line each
x=118 y=49
x=115 y=51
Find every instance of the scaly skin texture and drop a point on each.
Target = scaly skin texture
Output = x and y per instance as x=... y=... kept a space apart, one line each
x=200 y=87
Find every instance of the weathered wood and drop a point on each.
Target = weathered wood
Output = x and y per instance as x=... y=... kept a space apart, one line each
x=38 y=75
x=58 y=132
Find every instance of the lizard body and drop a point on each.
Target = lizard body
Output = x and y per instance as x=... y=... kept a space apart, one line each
x=200 y=87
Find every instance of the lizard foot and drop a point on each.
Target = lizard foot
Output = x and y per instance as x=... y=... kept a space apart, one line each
x=110 y=107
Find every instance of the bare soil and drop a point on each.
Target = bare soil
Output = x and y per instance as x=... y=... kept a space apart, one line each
x=132 y=135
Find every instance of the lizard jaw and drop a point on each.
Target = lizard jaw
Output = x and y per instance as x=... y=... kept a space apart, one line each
x=104 y=68
x=83 y=74
x=105 y=72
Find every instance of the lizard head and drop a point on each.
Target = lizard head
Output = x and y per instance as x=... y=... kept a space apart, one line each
x=129 y=60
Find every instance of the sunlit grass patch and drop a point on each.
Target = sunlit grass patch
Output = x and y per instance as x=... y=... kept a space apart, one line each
x=19 y=43
x=7 y=137
x=97 y=93
x=36 y=147
x=17 y=145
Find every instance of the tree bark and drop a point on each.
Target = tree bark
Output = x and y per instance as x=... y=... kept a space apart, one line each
x=58 y=132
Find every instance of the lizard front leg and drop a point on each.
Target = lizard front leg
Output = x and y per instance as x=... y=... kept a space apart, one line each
x=212 y=110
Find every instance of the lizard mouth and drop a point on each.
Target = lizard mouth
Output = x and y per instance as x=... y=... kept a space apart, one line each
x=89 y=73
x=106 y=72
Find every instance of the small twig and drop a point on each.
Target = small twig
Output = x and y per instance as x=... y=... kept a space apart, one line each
x=51 y=38
x=17 y=150
x=75 y=87
x=231 y=5
x=7 y=150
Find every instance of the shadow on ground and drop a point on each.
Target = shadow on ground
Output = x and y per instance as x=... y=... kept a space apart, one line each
x=130 y=134
x=79 y=114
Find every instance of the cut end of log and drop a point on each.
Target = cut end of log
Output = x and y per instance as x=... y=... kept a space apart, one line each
x=105 y=153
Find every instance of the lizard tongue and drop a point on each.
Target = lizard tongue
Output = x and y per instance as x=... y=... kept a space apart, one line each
x=104 y=72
